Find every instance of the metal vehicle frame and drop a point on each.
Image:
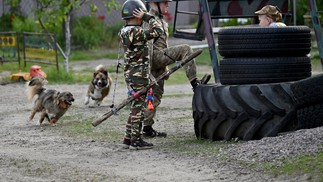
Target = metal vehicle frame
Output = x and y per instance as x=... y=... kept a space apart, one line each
x=206 y=14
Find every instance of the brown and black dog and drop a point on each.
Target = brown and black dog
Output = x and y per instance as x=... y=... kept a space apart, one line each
x=51 y=103
x=99 y=87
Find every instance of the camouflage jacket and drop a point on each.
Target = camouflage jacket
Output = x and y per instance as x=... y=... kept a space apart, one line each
x=135 y=43
x=162 y=41
x=159 y=43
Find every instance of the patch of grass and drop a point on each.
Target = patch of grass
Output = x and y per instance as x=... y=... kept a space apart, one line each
x=174 y=109
x=190 y=146
x=111 y=130
x=29 y=167
x=312 y=165
x=86 y=130
x=45 y=170
x=71 y=77
x=177 y=95
x=61 y=76
x=316 y=60
x=53 y=75
x=179 y=77
x=11 y=67
x=204 y=58
x=92 y=55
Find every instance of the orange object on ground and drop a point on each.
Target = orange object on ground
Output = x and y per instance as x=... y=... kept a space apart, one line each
x=34 y=70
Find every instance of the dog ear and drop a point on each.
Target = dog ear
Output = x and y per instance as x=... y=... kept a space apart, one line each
x=56 y=97
x=105 y=73
x=93 y=81
x=32 y=82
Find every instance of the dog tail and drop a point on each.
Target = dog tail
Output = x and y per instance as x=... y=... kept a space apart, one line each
x=35 y=86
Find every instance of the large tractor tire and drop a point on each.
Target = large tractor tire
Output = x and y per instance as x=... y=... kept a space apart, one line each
x=310 y=116
x=246 y=112
x=254 y=70
x=290 y=41
x=308 y=96
x=308 y=91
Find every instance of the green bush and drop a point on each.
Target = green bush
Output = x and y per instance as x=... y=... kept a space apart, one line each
x=23 y=25
x=90 y=32
x=6 y=22
x=302 y=8
x=236 y=22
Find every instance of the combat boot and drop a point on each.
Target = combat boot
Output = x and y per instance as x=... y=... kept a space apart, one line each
x=126 y=143
x=149 y=132
x=140 y=145
x=205 y=79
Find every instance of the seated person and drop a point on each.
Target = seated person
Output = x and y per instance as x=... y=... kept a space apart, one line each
x=270 y=16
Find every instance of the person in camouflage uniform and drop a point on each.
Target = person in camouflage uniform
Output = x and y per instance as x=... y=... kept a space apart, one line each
x=136 y=71
x=162 y=55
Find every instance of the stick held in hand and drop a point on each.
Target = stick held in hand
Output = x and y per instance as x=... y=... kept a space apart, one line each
x=125 y=102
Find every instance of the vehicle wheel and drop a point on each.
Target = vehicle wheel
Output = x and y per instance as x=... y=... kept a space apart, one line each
x=310 y=116
x=255 y=41
x=264 y=69
x=21 y=79
x=242 y=111
x=308 y=91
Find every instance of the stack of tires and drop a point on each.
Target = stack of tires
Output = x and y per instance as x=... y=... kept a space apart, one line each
x=264 y=55
x=258 y=70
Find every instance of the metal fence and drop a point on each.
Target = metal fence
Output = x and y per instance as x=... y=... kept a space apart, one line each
x=40 y=48
x=36 y=48
x=9 y=47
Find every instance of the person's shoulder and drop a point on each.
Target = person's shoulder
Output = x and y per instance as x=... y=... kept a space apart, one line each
x=130 y=27
x=129 y=30
x=277 y=24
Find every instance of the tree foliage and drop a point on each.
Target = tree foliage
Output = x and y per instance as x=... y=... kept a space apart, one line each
x=51 y=15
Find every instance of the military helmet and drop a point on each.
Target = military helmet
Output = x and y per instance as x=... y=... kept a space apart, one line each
x=272 y=12
x=129 y=6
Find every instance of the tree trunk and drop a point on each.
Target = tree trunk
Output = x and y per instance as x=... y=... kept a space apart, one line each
x=67 y=40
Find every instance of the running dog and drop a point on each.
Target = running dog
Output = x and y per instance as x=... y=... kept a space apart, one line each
x=51 y=103
x=99 y=87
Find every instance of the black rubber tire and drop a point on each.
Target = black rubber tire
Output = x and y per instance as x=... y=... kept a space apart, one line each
x=310 y=117
x=21 y=80
x=246 y=112
x=265 y=42
x=264 y=69
x=308 y=91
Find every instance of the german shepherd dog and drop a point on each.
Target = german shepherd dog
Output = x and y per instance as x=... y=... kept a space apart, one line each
x=99 y=87
x=51 y=103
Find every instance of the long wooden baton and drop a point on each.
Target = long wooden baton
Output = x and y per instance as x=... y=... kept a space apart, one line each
x=125 y=102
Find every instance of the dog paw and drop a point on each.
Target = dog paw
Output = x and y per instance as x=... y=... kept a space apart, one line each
x=86 y=101
x=97 y=103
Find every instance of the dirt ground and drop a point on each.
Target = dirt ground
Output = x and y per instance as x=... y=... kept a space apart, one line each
x=30 y=152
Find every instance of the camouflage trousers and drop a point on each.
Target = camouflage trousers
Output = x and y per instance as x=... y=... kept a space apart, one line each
x=158 y=66
x=133 y=128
